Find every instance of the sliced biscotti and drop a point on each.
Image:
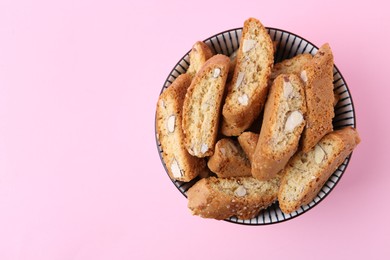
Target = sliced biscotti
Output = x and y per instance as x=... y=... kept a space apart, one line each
x=248 y=142
x=246 y=95
x=202 y=106
x=229 y=160
x=180 y=164
x=306 y=173
x=317 y=76
x=221 y=198
x=293 y=65
x=199 y=54
x=283 y=123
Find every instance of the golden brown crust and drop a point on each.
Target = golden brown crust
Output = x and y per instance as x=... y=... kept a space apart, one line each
x=220 y=198
x=248 y=91
x=179 y=163
x=199 y=54
x=202 y=106
x=229 y=160
x=277 y=142
x=317 y=76
x=248 y=142
x=305 y=175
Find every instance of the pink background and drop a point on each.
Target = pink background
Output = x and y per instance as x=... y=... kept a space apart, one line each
x=80 y=176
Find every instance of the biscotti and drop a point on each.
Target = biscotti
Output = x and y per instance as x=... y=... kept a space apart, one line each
x=221 y=198
x=202 y=106
x=293 y=65
x=283 y=123
x=306 y=173
x=179 y=163
x=249 y=87
x=229 y=160
x=199 y=54
x=248 y=142
x=317 y=76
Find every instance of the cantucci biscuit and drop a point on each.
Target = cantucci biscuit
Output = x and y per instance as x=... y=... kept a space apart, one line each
x=179 y=163
x=202 y=106
x=229 y=160
x=220 y=198
x=199 y=54
x=317 y=76
x=306 y=173
x=248 y=90
x=283 y=123
x=248 y=142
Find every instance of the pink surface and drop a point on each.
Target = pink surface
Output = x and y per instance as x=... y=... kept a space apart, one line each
x=80 y=176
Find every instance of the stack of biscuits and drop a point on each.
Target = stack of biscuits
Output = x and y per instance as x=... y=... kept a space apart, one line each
x=254 y=131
